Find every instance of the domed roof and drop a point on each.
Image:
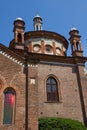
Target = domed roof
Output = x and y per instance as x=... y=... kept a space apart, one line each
x=37 y=16
x=72 y=29
x=19 y=18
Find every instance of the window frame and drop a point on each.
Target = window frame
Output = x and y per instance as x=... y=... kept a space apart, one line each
x=48 y=49
x=13 y=109
x=55 y=94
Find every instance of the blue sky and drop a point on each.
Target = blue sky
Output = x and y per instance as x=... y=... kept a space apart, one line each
x=58 y=16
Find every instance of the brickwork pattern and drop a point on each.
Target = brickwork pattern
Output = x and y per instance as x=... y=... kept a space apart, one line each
x=69 y=106
x=11 y=75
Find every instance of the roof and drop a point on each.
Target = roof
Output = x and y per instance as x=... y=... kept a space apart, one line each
x=37 y=16
x=19 y=18
x=11 y=55
x=72 y=29
x=47 y=34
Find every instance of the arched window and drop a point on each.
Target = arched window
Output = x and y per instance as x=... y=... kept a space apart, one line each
x=52 y=90
x=9 y=102
x=19 y=38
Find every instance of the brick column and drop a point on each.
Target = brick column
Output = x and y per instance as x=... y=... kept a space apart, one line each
x=22 y=37
x=61 y=52
x=33 y=99
x=42 y=47
x=30 y=47
x=54 y=48
x=16 y=36
x=82 y=83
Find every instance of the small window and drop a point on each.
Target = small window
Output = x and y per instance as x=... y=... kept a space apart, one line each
x=52 y=90
x=19 y=38
x=9 y=102
x=36 y=48
x=48 y=49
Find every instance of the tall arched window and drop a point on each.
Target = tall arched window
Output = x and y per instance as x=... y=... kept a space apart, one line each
x=19 y=38
x=9 y=102
x=52 y=90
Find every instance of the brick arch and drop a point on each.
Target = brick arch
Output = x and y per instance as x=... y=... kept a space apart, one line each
x=4 y=86
x=15 y=88
x=9 y=88
x=16 y=82
x=38 y=46
x=58 y=84
x=48 y=48
x=55 y=77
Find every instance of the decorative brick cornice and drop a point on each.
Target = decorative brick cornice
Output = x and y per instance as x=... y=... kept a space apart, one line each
x=33 y=58
x=11 y=55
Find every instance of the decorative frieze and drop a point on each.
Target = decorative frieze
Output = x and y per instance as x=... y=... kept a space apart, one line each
x=11 y=58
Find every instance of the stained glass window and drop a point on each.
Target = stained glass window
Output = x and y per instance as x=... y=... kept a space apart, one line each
x=9 y=102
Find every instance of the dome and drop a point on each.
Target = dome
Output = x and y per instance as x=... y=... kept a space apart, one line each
x=37 y=16
x=19 y=18
x=72 y=29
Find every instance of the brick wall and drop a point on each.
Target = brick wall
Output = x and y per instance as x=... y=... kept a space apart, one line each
x=11 y=75
x=70 y=103
x=69 y=106
x=82 y=77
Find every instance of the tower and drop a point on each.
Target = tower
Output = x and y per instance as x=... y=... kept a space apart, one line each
x=37 y=23
x=76 y=47
x=19 y=30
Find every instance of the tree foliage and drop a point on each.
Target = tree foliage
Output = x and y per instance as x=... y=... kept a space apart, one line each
x=54 y=123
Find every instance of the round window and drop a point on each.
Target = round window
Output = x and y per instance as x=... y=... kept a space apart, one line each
x=48 y=49
x=36 y=48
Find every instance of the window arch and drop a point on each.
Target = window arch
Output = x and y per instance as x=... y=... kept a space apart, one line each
x=9 y=102
x=52 y=90
x=19 y=38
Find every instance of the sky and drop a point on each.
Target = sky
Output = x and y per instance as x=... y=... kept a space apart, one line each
x=58 y=16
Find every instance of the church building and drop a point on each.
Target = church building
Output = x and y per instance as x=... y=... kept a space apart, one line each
x=38 y=79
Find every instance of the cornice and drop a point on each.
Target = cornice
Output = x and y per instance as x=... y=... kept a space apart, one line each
x=35 y=58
